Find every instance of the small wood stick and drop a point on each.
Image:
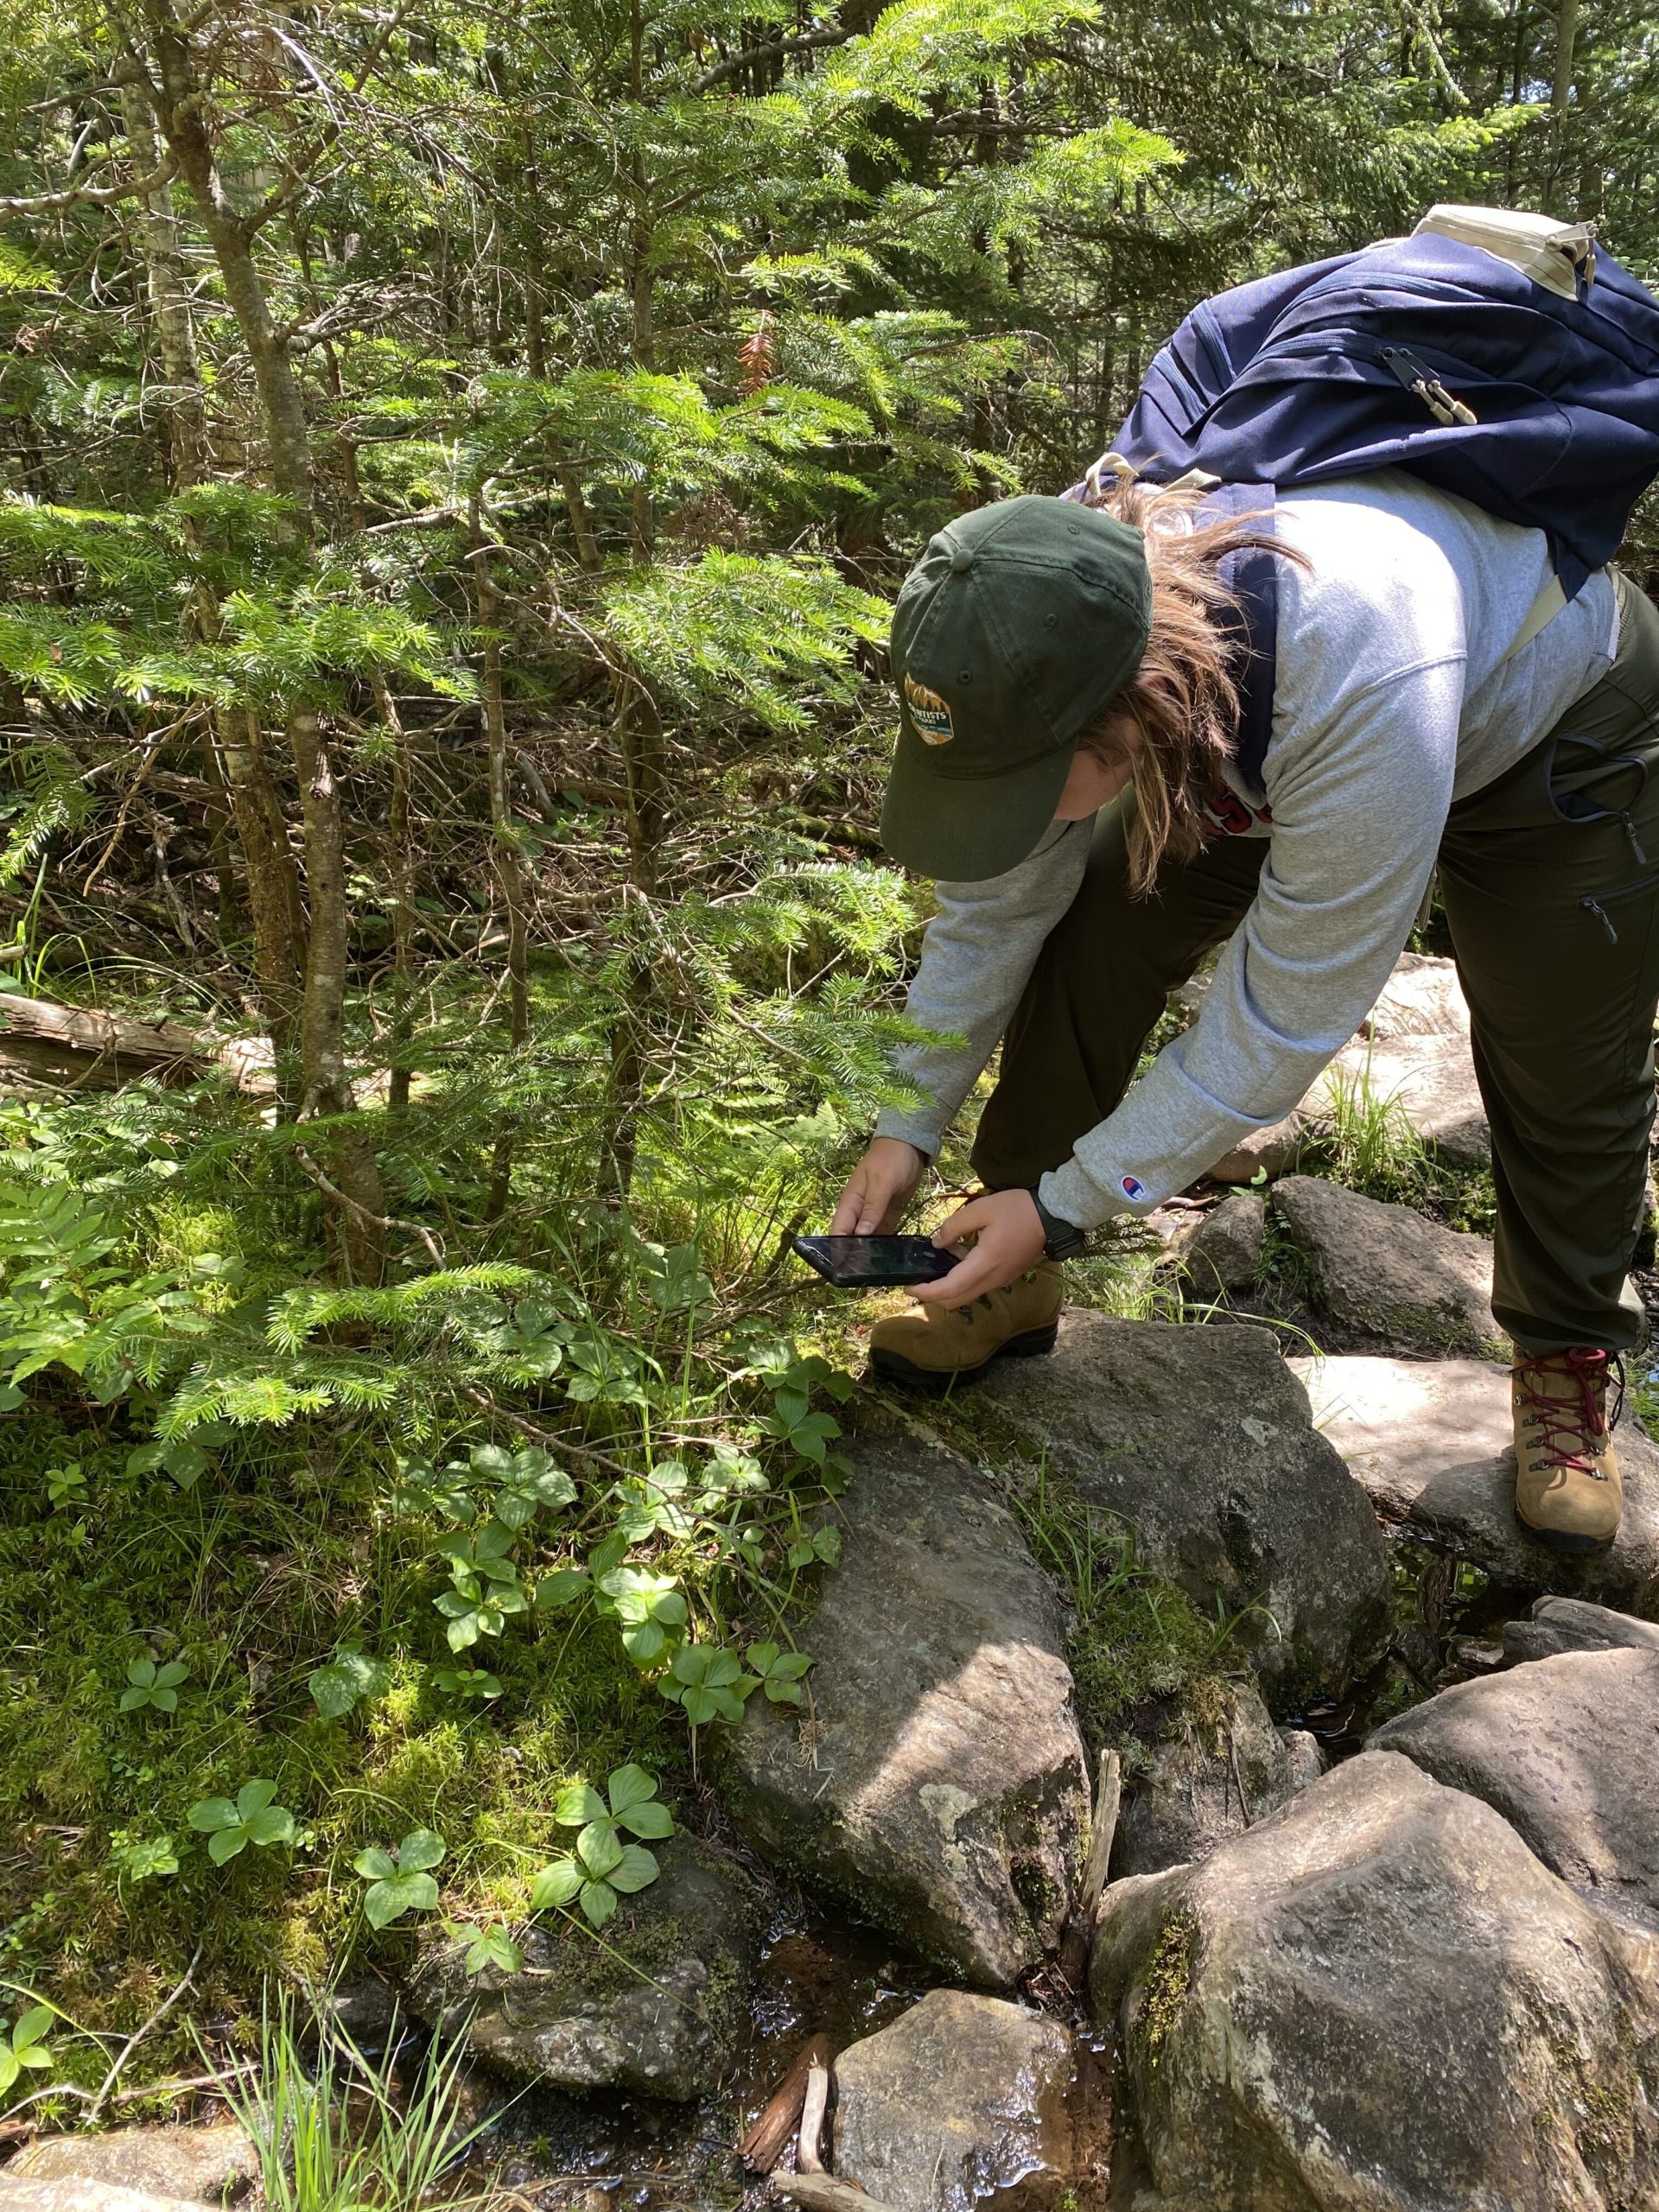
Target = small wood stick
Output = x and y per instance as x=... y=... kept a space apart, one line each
x=824 y=2193
x=766 y=2140
x=1102 y=1832
x=813 y=2108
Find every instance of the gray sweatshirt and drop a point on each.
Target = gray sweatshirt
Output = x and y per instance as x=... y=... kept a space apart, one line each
x=1393 y=698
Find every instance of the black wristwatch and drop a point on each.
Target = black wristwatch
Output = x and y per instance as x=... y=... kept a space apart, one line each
x=1062 y=1239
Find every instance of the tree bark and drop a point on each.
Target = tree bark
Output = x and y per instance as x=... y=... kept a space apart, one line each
x=183 y=107
x=508 y=868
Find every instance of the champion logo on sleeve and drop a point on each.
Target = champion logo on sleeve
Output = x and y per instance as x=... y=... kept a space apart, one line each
x=1132 y=1188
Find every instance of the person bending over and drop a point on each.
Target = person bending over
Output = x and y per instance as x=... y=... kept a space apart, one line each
x=1065 y=769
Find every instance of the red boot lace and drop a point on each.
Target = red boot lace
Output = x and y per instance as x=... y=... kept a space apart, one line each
x=1568 y=1424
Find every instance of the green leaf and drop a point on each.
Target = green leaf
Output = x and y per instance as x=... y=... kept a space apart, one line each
x=375 y=1865
x=576 y=1805
x=384 y=1902
x=227 y=1843
x=633 y=1869
x=599 y=1849
x=420 y=1848
x=274 y=1824
x=629 y=1785
x=493 y=1947
x=651 y=1820
x=563 y=1587
x=349 y=1675
x=253 y=1797
x=598 y=1902
x=556 y=1885
x=209 y=1813
x=33 y=2027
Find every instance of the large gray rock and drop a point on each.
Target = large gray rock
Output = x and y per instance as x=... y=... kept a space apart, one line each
x=1386 y=1271
x=1432 y=1443
x=941 y=1784
x=1213 y=1777
x=1431 y=1080
x=659 y=2007
x=1561 y=1624
x=1568 y=1750
x=1269 y=1152
x=1220 y=1250
x=208 y=2165
x=18 y=2193
x=1422 y=998
x=1378 y=2000
x=1198 y=1439
x=962 y=2097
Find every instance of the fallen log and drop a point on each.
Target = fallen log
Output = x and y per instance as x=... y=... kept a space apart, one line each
x=71 y=1045
x=768 y=2138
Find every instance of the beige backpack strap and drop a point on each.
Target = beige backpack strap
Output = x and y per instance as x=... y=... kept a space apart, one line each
x=1542 y=612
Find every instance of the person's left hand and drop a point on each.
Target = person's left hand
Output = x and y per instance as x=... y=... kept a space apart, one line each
x=1009 y=1237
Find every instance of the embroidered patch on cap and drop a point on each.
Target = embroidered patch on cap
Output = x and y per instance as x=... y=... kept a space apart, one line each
x=931 y=714
x=1131 y=1189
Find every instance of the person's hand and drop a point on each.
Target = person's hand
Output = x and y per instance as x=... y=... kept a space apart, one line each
x=878 y=1189
x=1009 y=1237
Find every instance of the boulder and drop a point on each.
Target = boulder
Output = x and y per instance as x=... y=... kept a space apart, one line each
x=207 y=2165
x=19 y=2193
x=1568 y=1750
x=1222 y=1249
x=1431 y=1080
x=1422 y=998
x=1212 y=1778
x=1304 y=1755
x=1388 y=1272
x=1199 y=1440
x=962 y=2097
x=1432 y=1443
x=659 y=2007
x=941 y=1785
x=1561 y=1624
x=1378 y=1998
x=1269 y=1152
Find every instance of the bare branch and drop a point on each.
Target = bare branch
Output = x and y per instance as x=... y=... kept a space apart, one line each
x=734 y=63
x=92 y=195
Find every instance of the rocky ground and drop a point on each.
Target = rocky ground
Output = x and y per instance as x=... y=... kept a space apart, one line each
x=1380 y=1921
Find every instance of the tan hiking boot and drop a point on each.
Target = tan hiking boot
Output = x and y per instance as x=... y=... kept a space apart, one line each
x=1567 y=1489
x=932 y=1349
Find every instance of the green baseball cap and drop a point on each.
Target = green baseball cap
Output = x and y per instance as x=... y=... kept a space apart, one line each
x=1017 y=626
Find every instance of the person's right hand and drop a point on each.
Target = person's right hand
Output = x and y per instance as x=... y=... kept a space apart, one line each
x=878 y=1189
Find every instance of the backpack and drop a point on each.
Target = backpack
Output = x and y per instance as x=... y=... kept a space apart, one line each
x=1502 y=357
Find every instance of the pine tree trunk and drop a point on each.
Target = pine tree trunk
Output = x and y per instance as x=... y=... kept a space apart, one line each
x=184 y=111
x=508 y=868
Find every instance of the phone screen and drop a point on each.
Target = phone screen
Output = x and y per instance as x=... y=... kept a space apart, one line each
x=868 y=1262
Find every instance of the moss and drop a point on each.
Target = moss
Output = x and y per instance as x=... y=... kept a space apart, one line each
x=1165 y=1982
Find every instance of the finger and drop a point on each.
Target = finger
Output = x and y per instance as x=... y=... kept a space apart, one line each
x=965 y=1220
x=974 y=1272
x=850 y=1205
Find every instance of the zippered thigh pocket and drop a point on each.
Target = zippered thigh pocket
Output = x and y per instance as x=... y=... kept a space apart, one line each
x=1598 y=905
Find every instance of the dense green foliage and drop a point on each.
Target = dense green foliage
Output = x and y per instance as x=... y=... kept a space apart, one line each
x=452 y=467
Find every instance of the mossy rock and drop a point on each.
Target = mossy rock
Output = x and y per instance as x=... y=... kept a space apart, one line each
x=654 y=2004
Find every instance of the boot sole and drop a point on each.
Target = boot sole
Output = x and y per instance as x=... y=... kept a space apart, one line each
x=894 y=1367
x=1564 y=1540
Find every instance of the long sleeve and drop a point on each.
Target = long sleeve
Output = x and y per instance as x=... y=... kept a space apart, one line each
x=1358 y=806
x=978 y=951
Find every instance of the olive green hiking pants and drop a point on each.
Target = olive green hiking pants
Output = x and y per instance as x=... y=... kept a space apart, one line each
x=1554 y=912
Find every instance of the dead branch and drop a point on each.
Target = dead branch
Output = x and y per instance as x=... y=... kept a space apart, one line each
x=768 y=2137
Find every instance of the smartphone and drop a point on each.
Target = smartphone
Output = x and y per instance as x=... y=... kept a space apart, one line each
x=872 y=1263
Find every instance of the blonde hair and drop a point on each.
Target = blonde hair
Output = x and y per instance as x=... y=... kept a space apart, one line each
x=1184 y=698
